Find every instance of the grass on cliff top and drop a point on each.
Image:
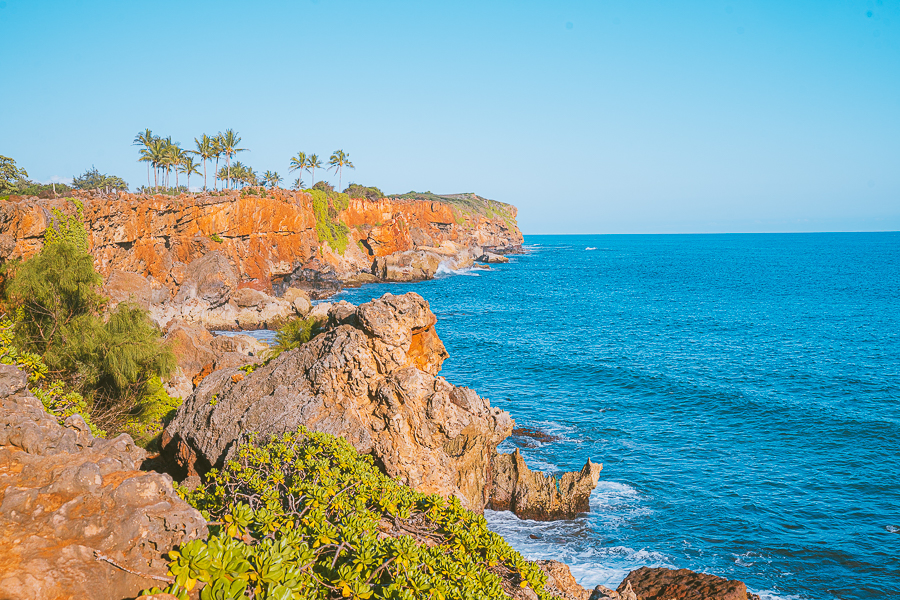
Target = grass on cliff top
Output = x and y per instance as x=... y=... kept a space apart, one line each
x=304 y=516
x=469 y=204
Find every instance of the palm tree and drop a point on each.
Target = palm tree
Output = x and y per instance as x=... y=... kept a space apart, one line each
x=298 y=184
x=205 y=150
x=217 y=152
x=299 y=162
x=188 y=167
x=172 y=158
x=272 y=179
x=157 y=156
x=338 y=161
x=144 y=138
x=230 y=140
x=313 y=163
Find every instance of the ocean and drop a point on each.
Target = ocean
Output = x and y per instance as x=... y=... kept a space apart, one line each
x=741 y=392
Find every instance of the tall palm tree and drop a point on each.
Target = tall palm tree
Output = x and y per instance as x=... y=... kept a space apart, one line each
x=299 y=162
x=340 y=159
x=217 y=152
x=144 y=138
x=188 y=167
x=298 y=184
x=230 y=141
x=205 y=150
x=313 y=163
x=173 y=156
x=157 y=155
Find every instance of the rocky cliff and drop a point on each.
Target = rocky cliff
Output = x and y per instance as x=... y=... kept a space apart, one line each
x=271 y=238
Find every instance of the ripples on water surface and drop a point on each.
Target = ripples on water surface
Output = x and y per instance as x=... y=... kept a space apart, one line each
x=740 y=390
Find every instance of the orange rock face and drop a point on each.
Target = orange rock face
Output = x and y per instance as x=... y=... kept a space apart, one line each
x=265 y=238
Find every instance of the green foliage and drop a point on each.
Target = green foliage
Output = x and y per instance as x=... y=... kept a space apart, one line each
x=158 y=408
x=117 y=362
x=326 y=207
x=323 y=186
x=304 y=516
x=60 y=401
x=354 y=190
x=10 y=174
x=293 y=334
x=92 y=179
x=216 y=238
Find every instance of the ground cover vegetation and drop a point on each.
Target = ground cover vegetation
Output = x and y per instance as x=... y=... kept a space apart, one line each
x=107 y=365
x=303 y=516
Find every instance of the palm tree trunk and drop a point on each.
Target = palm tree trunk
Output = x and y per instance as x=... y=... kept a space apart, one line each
x=204 y=174
x=148 y=174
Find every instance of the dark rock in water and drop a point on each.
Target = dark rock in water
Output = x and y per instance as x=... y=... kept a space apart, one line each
x=70 y=503
x=532 y=438
x=371 y=378
x=490 y=257
x=683 y=584
x=535 y=495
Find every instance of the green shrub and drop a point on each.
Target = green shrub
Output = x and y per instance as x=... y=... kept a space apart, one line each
x=326 y=208
x=216 y=238
x=304 y=516
x=293 y=334
x=354 y=190
x=113 y=362
x=93 y=179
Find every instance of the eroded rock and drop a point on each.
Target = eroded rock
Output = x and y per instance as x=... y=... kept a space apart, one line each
x=683 y=584
x=538 y=496
x=67 y=499
x=371 y=378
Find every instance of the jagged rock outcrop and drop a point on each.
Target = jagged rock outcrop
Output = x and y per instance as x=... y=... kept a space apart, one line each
x=535 y=495
x=683 y=584
x=371 y=378
x=560 y=581
x=71 y=503
x=623 y=593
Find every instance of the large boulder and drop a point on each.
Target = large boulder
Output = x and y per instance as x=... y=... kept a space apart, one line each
x=535 y=495
x=371 y=378
x=683 y=584
x=77 y=517
x=210 y=278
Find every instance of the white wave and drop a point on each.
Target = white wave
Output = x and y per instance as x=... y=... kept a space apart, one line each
x=776 y=595
x=892 y=529
x=445 y=269
x=590 y=248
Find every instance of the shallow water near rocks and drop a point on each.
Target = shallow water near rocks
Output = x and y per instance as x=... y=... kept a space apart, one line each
x=741 y=391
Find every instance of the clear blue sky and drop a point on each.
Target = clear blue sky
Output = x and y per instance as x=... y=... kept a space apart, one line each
x=592 y=117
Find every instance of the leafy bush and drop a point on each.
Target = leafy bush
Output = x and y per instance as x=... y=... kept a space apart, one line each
x=117 y=362
x=92 y=179
x=326 y=208
x=293 y=334
x=323 y=186
x=354 y=190
x=58 y=400
x=216 y=238
x=304 y=516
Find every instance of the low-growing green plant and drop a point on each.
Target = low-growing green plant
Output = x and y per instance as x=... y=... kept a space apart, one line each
x=304 y=516
x=216 y=238
x=292 y=334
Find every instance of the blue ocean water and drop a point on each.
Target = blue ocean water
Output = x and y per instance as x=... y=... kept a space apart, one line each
x=741 y=391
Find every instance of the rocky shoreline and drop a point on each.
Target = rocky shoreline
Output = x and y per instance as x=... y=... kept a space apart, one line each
x=76 y=510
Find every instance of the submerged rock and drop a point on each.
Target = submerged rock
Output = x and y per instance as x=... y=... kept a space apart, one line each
x=72 y=506
x=490 y=257
x=535 y=495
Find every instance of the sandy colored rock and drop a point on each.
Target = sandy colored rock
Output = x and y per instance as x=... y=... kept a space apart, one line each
x=683 y=584
x=66 y=496
x=538 y=496
x=604 y=593
x=373 y=383
x=560 y=581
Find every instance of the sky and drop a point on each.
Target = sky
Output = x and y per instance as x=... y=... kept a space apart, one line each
x=618 y=116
